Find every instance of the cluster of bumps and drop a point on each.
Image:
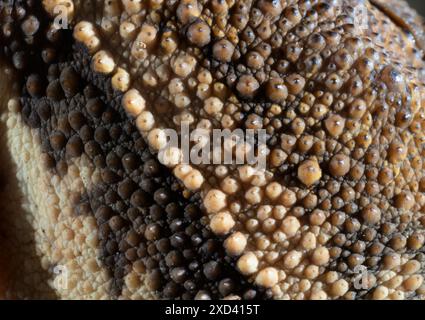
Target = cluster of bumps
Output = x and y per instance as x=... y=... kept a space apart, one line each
x=343 y=110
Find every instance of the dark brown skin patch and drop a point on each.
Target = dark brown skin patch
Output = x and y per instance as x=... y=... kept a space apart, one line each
x=29 y=41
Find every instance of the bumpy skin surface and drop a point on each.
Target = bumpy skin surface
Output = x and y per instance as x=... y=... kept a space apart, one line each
x=338 y=86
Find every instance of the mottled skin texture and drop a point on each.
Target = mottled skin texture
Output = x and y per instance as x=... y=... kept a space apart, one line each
x=341 y=99
x=98 y=165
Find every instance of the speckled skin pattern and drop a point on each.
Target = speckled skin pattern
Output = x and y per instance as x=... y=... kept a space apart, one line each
x=338 y=213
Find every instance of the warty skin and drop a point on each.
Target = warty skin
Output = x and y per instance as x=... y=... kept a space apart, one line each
x=343 y=190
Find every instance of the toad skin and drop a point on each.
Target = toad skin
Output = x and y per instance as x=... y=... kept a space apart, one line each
x=83 y=119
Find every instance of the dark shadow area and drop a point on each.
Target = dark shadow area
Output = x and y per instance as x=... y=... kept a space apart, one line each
x=19 y=261
x=418 y=5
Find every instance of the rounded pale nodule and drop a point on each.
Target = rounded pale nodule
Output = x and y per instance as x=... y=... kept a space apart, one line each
x=308 y=241
x=156 y=4
x=203 y=91
x=127 y=30
x=111 y=9
x=92 y=44
x=205 y=77
x=147 y=35
x=290 y=226
x=235 y=244
x=276 y=90
x=171 y=157
x=371 y=214
x=145 y=121
x=311 y=272
x=274 y=190
x=213 y=106
x=157 y=139
x=194 y=180
x=405 y=200
x=182 y=171
x=54 y=7
x=187 y=11
x=103 y=62
x=222 y=223
x=223 y=50
x=214 y=201
x=357 y=109
x=83 y=31
x=397 y=295
x=246 y=173
x=320 y=256
x=176 y=86
x=181 y=101
x=339 y=288
x=169 y=42
x=411 y=267
x=248 y=263
x=279 y=212
x=199 y=33
x=318 y=295
x=288 y=198
x=260 y=179
x=150 y=79
x=335 y=125
x=416 y=241
x=221 y=171
x=277 y=157
x=339 y=165
x=132 y=6
x=380 y=293
x=397 y=152
x=230 y=185
x=292 y=259
x=184 y=65
x=121 y=80
x=267 y=277
x=247 y=86
x=295 y=84
x=413 y=282
x=309 y=172
x=255 y=60
x=254 y=195
x=391 y=261
x=133 y=102
x=264 y=212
